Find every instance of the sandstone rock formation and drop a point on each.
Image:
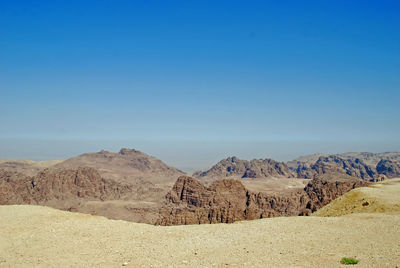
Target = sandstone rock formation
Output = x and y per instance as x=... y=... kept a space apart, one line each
x=256 y=168
x=227 y=200
x=133 y=186
x=81 y=190
x=59 y=184
x=388 y=168
x=371 y=159
x=189 y=201
x=334 y=164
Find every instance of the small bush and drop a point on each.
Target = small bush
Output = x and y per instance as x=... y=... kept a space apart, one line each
x=349 y=261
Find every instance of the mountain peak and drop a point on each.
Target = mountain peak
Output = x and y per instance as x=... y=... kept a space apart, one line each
x=126 y=151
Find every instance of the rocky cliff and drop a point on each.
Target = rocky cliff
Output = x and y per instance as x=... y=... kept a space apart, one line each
x=227 y=200
x=388 y=168
x=189 y=201
x=59 y=184
x=366 y=166
x=256 y=168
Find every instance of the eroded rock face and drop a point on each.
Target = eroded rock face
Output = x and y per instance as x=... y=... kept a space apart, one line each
x=335 y=165
x=227 y=200
x=256 y=168
x=59 y=184
x=189 y=201
x=388 y=168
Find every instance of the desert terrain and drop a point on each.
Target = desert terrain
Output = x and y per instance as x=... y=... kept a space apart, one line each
x=36 y=236
x=131 y=185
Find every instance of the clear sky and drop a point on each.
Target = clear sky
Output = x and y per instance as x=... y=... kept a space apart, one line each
x=192 y=82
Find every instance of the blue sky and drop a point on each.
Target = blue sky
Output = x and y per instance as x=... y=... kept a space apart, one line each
x=195 y=81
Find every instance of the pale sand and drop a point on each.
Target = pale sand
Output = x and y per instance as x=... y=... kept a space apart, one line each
x=382 y=197
x=32 y=236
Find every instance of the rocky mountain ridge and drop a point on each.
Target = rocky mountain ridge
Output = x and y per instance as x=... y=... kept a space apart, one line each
x=233 y=167
x=227 y=200
x=355 y=167
x=64 y=185
x=256 y=168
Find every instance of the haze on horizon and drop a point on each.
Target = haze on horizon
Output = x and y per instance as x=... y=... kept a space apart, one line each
x=194 y=82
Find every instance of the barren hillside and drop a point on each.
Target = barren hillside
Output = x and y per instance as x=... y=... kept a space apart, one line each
x=127 y=165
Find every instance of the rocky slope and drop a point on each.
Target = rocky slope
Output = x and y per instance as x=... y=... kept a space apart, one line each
x=227 y=200
x=370 y=159
x=189 y=201
x=367 y=166
x=388 y=168
x=126 y=165
x=65 y=185
x=256 y=168
x=335 y=165
x=82 y=190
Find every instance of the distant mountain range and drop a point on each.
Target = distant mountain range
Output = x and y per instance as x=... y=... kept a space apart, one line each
x=366 y=166
x=256 y=168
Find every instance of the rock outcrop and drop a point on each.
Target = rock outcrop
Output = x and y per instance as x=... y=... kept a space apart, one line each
x=371 y=159
x=367 y=166
x=60 y=184
x=390 y=169
x=335 y=165
x=227 y=200
x=189 y=201
x=256 y=168
x=83 y=190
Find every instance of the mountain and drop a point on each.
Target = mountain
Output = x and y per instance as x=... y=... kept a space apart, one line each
x=126 y=165
x=238 y=168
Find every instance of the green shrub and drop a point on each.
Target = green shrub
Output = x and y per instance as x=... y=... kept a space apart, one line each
x=349 y=261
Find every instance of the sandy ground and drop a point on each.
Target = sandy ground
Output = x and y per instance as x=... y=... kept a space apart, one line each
x=34 y=236
x=382 y=197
